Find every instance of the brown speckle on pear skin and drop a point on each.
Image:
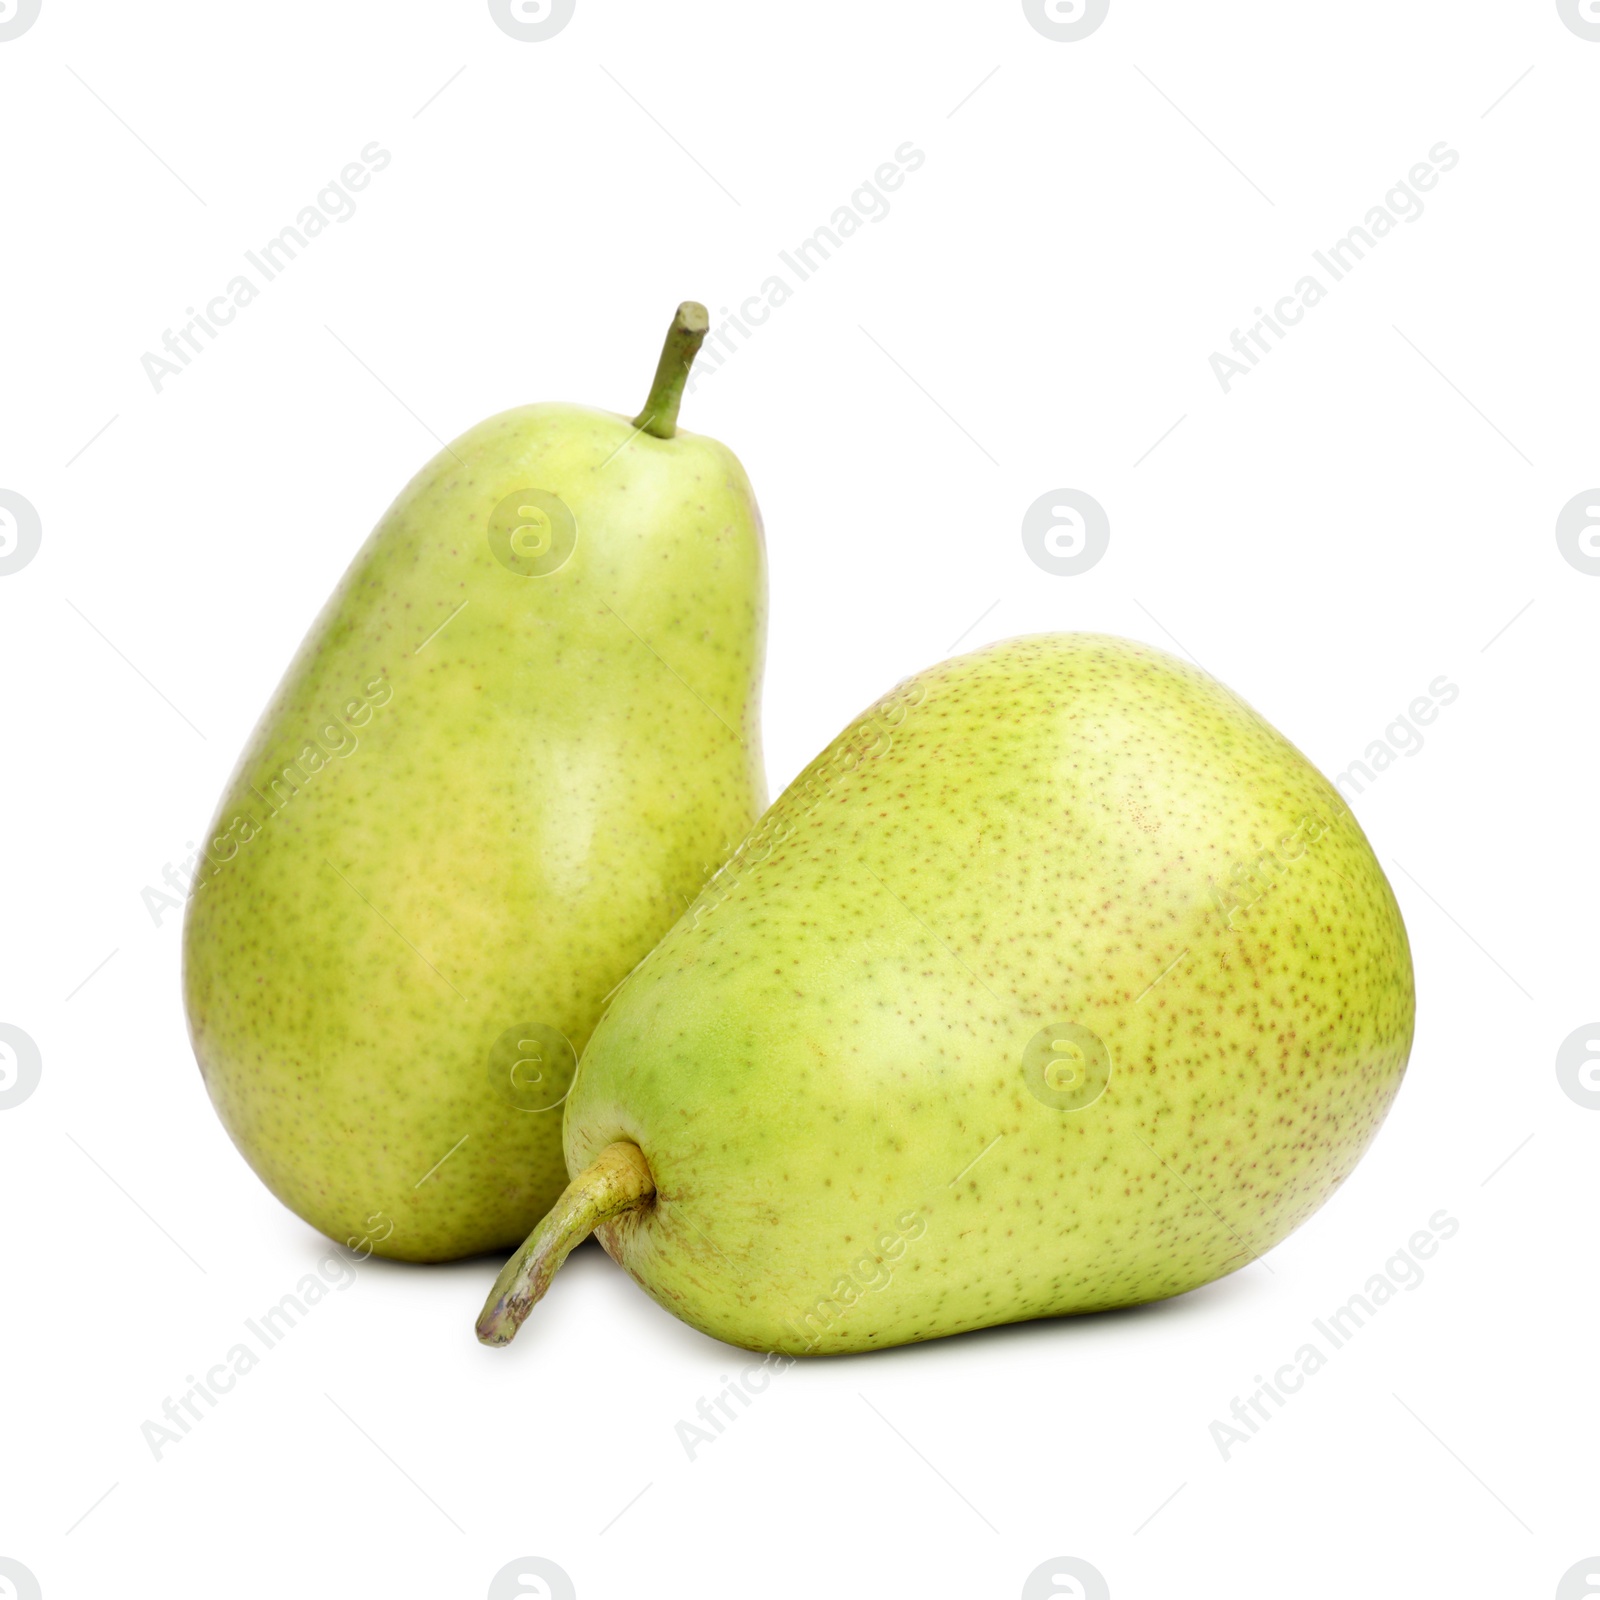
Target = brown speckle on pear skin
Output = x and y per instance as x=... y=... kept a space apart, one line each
x=1065 y=828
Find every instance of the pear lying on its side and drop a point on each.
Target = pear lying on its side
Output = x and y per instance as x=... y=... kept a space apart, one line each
x=512 y=748
x=1059 y=982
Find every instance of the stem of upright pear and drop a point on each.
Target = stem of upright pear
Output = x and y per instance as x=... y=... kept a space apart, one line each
x=684 y=338
x=619 y=1181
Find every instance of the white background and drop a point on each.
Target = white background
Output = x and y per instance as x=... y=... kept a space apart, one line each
x=1373 y=506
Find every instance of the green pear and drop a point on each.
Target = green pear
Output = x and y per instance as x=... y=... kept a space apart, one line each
x=1059 y=982
x=516 y=742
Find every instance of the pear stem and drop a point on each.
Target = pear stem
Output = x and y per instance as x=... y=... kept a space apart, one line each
x=684 y=338
x=619 y=1180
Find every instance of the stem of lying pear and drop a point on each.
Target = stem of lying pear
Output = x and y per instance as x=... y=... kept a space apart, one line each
x=618 y=1181
x=684 y=338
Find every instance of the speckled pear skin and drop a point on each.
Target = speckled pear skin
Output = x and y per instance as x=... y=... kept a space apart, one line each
x=823 y=1062
x=543 y=770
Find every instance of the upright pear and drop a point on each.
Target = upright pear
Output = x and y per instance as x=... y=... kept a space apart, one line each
x=1059 y=982
x=516 y=742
